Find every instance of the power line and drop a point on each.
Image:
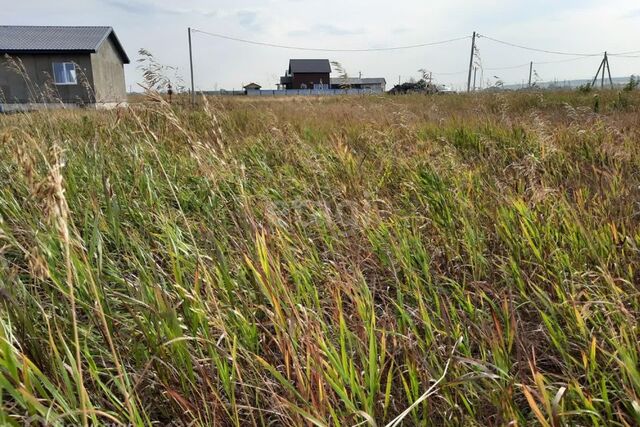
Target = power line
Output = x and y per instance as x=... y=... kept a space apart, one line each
x=625 y=54
x=561 y=60
x=513 y=67
x=575 y=56
x=449 y=73
x=281 y=46
x=554 y=52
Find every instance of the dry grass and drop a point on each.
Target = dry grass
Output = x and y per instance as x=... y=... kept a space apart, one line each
x=413 y=260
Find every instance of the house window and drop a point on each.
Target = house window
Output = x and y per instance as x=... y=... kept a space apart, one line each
x=64 y=73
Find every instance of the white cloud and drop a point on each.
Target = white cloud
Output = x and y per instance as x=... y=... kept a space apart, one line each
x=145 y=8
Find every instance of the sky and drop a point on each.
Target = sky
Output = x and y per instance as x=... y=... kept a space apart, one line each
x=160 y=27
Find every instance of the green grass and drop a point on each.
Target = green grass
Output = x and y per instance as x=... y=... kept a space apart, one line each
x=449 y=260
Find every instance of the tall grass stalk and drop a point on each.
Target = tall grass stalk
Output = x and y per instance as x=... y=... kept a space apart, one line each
x=453 y=260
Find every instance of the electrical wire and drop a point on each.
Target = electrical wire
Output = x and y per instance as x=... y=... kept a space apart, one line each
x=450 y=73
x=554 y=52
x=561 y=60
x=576 y=56
x=280 y=46
x=629 y=54
x=512 y=67
x=625 y=54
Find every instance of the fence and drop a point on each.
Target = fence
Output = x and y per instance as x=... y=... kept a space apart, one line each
x=222 y=92
x=294 y=92
x=313 y=92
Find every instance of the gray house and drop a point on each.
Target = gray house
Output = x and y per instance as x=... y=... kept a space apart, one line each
x=375 y=84
x=61 y=65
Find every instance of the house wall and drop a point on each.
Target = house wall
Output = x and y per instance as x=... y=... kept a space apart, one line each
x=309 y=79
x=108 y=74
x=374 y=86
x=378 y=87
x=37 y=86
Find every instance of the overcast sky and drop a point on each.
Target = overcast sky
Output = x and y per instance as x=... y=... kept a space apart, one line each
x=160 y=26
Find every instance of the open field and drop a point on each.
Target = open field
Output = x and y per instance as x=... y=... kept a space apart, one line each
x=449 y=260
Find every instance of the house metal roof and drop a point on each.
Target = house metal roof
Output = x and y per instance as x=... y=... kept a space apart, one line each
x=309 y=66
x=37 y=39
x=358 y=81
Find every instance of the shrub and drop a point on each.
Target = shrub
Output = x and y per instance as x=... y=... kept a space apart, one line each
x=633 y=83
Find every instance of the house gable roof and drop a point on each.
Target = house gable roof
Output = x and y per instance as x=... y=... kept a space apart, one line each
x=309 y=66
x=38 y=39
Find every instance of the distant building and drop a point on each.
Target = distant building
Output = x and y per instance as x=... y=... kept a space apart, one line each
x=377 y=84
x=251 y=87
x=307 y=74
x=70 y=65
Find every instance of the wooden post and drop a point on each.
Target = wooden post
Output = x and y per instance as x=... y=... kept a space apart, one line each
x=475 y=72
x=606 y=58
x=473 y=51
x=193 y=90
x=593 y=83
x=604 y=64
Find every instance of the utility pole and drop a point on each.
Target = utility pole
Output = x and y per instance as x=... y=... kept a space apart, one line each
x=475 y=72
x=193 y=90
x=604 y=66
x=473 y=51
x=597 y=74
x=530 y=72
x=606 y=58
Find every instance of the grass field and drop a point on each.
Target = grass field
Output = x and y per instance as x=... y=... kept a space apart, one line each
x=451 y=260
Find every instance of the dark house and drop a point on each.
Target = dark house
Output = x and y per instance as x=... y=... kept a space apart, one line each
x=307 y=74
x=68 y=65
